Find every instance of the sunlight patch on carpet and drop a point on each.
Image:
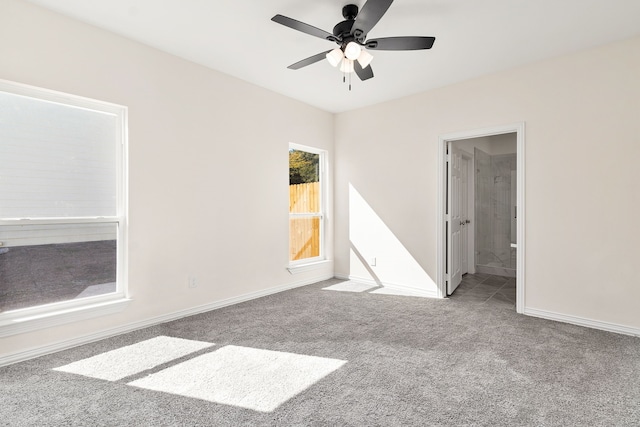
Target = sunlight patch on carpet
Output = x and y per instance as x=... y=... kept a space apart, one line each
x=353 y=286
x=398 y=292
x=249 y=378
x=133 y=359
x=350 y=286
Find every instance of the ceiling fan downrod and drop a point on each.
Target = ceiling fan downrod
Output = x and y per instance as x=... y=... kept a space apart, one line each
x=342 y=30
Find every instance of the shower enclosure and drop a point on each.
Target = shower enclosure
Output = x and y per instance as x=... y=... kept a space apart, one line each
x=495 y=212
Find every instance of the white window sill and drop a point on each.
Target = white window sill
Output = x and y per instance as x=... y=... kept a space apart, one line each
x=13 y=324
x=303 y=268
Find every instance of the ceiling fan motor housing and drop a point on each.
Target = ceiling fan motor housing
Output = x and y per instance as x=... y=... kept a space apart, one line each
x=343 y=29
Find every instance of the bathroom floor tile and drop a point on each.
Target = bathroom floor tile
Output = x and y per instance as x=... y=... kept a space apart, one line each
x=493 y=291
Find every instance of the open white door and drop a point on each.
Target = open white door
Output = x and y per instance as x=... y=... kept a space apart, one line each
x=464 y=215
x=454 y=219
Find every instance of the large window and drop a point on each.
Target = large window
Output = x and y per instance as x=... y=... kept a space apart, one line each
x=62 y=206
x=306 y=204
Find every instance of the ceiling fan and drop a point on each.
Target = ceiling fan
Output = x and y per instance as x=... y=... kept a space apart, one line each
x=351 y=37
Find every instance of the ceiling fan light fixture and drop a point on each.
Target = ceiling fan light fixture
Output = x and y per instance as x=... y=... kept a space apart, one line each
x=335 y=56
x=365 y=58
x=352 y=51
x=347 y=66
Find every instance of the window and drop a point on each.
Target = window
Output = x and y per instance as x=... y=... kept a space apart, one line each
x=62 y=207
x=307 y=201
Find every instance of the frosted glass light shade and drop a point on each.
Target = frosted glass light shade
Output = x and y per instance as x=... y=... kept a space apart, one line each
x=365 y=58
x=335 y=56
x=352 y=51
x=347 y=66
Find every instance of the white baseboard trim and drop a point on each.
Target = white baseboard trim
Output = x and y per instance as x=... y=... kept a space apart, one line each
x=367 y=281
x=107 y=333
x=581 y=321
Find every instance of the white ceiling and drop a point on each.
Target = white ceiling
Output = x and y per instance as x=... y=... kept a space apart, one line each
x=473 y=37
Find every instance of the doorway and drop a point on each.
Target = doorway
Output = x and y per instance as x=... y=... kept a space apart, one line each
x=457 y=241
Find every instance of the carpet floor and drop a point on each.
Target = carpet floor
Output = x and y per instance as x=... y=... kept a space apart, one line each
x=315 y=357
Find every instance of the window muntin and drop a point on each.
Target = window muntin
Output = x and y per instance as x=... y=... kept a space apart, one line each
x=306 y=204
x=62 y=190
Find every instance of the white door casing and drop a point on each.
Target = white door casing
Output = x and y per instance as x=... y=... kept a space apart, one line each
x=454 y=219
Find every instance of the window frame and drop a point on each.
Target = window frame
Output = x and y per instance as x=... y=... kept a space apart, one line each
x=322 y=171
x=42 y=316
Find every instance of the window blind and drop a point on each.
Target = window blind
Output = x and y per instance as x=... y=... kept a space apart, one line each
x=56 y=160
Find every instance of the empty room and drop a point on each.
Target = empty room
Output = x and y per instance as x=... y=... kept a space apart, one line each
x=450 y=253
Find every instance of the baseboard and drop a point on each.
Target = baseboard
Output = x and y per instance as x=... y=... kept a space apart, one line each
x=107 y=333
x=581 y=321
x=366 y=281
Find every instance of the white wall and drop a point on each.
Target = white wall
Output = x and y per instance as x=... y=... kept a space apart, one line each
x=582 y=119
x=208 y=165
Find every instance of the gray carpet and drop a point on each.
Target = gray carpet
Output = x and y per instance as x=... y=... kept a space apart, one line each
x=407 y=361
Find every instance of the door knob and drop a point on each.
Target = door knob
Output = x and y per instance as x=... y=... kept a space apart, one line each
x=468 y=221
x=462 y=222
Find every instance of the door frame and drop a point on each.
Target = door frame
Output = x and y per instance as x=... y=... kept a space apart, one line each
x=519 y=129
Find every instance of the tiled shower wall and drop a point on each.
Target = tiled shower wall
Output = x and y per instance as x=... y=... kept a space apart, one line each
x=494 y=209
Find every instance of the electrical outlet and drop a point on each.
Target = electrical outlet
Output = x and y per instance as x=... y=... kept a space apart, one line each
x=192 y=282
x=372 y=261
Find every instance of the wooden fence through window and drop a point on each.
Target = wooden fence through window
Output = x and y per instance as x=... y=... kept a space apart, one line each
x=304 y=232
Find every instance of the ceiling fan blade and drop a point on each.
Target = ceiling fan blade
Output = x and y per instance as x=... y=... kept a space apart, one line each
x=368 y=17
x=305 y=28
x=401 y=43
x=308 y=61
x=363 y=73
